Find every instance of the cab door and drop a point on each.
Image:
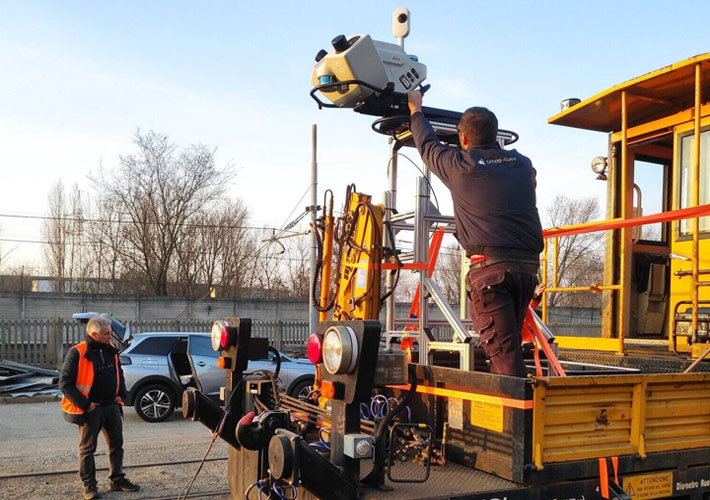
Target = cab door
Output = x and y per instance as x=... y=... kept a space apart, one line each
x=682 y=231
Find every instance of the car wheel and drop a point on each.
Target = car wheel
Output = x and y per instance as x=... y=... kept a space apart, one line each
x=302 y=389
x=154 y=403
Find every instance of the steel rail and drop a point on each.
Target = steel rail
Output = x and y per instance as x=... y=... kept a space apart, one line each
x=101 y=469
x=198 y=494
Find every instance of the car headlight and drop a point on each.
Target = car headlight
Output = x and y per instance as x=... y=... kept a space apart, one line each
x=340 y=349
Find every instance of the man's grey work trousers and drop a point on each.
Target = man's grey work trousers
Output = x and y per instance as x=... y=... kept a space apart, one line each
x=500 y=294
x=109 y=419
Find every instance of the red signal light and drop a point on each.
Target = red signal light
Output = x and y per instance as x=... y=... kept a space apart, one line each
x=315 y=348
x=228 y=337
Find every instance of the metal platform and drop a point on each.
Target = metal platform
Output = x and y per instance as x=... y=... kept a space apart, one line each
x=445 y=481
x=654 y=364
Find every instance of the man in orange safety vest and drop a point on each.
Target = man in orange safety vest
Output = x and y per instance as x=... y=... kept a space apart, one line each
x=92 y=383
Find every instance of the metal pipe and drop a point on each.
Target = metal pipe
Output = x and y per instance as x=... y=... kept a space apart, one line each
x=544 y=281
x=624 y=213
x=390 y=209
x=696 y=201
x=312 y=312
x=402 y=216
x=591 y=288
x=697 y=361
x=327 y=264
x=555 y=264
x=421 y=254
x=460 y=331
x=448 y=219
x=389 y=277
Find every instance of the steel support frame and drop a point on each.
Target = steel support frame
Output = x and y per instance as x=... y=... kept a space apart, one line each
x=423 y=220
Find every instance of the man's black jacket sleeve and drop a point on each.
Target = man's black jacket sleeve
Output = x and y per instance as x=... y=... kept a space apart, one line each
x=122 y=393
x=439 y=158
x=67 y=380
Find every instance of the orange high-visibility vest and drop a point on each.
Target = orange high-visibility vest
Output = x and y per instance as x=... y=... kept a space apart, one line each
x=85 y=379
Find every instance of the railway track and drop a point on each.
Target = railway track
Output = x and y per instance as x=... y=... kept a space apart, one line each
x=25 y=475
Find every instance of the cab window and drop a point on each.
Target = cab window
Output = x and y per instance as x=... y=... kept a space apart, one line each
x=687 y=143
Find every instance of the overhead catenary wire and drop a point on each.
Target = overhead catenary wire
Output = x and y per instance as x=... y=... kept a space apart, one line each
x=69 y=218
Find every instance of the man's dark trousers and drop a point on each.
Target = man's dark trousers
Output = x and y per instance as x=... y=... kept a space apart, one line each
x=109 y=419
x=500 y=294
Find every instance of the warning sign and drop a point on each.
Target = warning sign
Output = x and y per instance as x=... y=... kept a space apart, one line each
x=456 y=413
x=658 y=485
x=487 y=415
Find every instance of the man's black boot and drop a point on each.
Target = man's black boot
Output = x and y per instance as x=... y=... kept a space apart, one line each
x=91 y=493
x=123 y=484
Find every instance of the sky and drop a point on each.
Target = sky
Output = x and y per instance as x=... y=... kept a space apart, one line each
x=78 y=79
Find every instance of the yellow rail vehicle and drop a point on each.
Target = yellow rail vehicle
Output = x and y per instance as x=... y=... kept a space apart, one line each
x=630 y=421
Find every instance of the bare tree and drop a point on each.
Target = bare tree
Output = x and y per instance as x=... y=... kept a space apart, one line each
x=298 y=267
x=106 y=247
x=580 y=259
x=5 y=254
x=216 y=251
x=62 y=232
x=448 y=273
x=159 y=191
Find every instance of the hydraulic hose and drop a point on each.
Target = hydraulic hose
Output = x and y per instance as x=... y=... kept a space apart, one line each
x=376 y=478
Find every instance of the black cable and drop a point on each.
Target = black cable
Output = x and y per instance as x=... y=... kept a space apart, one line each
x=420 y=171
x=215 y=435
x=377 y=476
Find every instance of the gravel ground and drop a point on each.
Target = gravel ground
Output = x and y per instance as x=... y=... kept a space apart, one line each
x=35 y=438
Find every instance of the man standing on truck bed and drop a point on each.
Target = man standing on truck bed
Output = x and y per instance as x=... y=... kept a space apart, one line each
x=92 y=383
x=497 y=223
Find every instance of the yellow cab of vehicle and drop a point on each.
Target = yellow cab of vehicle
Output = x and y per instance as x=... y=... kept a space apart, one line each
x=656 y=290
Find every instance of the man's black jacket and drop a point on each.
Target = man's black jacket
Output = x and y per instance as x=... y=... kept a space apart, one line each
x=103 y=389
x=493 y=192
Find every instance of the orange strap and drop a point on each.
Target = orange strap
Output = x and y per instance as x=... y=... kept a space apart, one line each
x=519 y=404
x=604 y=475
x=603 y=478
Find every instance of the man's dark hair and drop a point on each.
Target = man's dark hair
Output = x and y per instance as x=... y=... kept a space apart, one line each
x=479 y=125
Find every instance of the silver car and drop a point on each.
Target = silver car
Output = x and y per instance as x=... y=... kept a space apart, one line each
x=158 y=366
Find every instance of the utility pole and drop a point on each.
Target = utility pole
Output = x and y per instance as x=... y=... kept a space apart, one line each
x=312 y=313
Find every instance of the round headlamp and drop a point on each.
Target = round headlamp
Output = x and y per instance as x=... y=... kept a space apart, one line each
x=221 y=335
x=599 y=164
x=340 y=350
x=216 y=334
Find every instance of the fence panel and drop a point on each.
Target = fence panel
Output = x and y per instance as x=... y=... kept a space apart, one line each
x=44 y=343
x=30 y=342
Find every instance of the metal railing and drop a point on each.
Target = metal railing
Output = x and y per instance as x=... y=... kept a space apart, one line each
x=623 y=285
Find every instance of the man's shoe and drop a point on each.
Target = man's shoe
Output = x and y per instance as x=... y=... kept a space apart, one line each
x=124 y=484
x=91 y=493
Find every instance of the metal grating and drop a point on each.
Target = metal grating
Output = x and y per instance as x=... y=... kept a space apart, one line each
x=445 y=481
